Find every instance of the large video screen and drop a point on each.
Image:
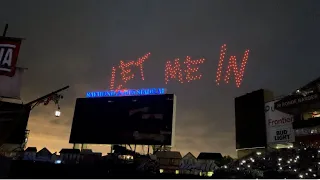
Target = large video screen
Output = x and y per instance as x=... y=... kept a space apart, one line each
x=13 y=122
x=250 y=120
x=147 y=120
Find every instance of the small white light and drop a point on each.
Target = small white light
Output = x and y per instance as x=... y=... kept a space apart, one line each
x=280 y=168
x=295 y=170
x=279 y=164
x=57 y=162
x=307 y=174
x=314 y=175
x=300 y=176
x=289 y=167
x=280 y=159
x=298 y=157
x=243 y=161
x=288 y=162
x=305 y=148
x=57 y=113
x=238 y=168
x=310 y=170
x=258 y=153
x=248 y=166
x=264 y=158
x=225 y=166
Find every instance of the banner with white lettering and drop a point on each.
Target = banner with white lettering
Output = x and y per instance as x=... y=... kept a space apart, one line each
x=9 y=52
x=10 y=86
x=278 y=125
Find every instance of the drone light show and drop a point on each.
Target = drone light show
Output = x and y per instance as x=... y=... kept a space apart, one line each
x=174 y=71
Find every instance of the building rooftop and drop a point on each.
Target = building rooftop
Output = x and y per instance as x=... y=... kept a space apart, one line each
x=168 y=154
x=70 y=151
x=31 y=149
x=210 y=156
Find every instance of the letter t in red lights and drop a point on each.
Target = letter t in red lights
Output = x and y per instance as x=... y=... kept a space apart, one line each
x=140 y=62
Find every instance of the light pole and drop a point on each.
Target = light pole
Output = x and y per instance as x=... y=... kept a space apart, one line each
x=45 y=100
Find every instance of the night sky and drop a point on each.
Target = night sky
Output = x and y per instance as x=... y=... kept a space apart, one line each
x=77 y=42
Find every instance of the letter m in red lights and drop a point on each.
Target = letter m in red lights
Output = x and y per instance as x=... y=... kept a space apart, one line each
x=238 y=71
x=173 y=71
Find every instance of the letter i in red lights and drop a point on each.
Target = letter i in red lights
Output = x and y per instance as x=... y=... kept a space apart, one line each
x=222 y=54
x=232 y=66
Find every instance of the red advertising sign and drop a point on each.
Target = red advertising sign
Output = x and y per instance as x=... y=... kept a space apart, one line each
x=9 y=51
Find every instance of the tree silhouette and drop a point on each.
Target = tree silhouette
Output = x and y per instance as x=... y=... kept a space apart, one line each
x=225 y=161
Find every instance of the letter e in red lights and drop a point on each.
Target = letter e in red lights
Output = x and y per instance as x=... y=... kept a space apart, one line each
x=126 y=74
x=190 y=70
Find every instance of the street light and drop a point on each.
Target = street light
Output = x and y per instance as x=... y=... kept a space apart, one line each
x=58 y=112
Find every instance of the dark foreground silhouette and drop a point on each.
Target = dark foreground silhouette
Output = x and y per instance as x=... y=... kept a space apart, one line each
x=35 y=170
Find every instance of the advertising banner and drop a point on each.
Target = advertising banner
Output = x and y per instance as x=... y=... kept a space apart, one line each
x=278 y=125
x=9 y=52
x=293 y=101
x=10 y=86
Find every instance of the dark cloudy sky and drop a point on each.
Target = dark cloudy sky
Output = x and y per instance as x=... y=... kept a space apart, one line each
x=77 y=42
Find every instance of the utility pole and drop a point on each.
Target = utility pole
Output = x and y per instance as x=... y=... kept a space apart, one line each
x=5 y=30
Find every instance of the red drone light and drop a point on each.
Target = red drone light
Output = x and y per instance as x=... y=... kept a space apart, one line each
x=173 y=69
x=232 y=66
x=126 y=72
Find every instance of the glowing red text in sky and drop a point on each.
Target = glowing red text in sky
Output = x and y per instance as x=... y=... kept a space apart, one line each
x=232 y=66
x=126 y=73
x=174 y=71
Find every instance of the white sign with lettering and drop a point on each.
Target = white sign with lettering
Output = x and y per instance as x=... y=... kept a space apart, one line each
x=10 y=86
x=278 y=125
